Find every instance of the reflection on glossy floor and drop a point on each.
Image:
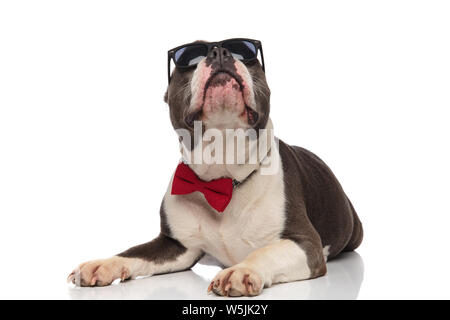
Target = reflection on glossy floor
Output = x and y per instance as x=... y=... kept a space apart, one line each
x=343 y=281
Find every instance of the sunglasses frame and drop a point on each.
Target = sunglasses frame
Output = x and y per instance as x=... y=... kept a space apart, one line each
x=210 y=46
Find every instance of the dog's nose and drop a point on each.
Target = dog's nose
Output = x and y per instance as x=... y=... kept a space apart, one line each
x=220 y=55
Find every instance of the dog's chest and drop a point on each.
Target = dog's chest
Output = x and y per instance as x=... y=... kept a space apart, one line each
x=254 y=218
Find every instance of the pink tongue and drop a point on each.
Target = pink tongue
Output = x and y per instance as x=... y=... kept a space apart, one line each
x=223 y=93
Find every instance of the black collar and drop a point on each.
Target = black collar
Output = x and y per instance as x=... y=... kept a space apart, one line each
x=237 y=183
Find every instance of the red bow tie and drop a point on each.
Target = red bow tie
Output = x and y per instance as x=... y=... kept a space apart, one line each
x=217 y=192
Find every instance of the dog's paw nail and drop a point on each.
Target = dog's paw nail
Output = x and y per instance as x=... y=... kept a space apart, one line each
x=71 y=277
x=210 y=287
x=227 y=288
x=124 y=275
x=94 y=280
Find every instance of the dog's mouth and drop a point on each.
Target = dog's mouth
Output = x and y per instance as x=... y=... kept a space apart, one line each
x=220 y=78
x=224 y=90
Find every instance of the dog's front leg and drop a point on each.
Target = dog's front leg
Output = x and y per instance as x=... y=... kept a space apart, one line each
x=282 y=261
x=161 y=255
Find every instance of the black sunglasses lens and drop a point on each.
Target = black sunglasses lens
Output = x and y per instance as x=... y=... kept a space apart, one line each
x=190 y=55
x=241 y=49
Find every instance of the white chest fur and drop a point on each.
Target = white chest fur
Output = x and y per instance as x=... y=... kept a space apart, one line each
x=253 y=219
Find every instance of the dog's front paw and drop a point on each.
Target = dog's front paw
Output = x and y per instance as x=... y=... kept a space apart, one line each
x=99 y=272
x=237 y=281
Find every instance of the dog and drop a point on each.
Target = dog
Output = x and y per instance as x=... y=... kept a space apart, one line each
x=269 y=228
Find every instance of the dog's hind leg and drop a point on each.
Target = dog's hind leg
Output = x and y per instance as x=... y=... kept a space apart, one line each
x=357 y=233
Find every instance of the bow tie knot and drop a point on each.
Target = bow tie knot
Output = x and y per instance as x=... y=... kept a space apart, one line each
x=217 y=192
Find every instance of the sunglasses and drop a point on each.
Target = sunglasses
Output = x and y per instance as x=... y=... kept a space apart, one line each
x=189 y=55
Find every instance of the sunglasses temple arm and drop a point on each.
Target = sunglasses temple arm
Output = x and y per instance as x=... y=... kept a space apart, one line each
x=168 y=69
x=262 y=58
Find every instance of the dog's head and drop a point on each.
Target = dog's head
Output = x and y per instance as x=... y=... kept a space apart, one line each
x=220 y=89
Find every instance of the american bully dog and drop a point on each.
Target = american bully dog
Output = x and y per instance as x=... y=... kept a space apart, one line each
x=277 y=218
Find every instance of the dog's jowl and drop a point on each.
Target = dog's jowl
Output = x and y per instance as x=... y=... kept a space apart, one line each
x=264 y=226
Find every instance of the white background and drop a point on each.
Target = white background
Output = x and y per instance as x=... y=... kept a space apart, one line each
x=87 y=149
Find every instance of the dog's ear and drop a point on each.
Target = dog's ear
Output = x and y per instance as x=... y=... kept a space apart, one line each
x=166 y=96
